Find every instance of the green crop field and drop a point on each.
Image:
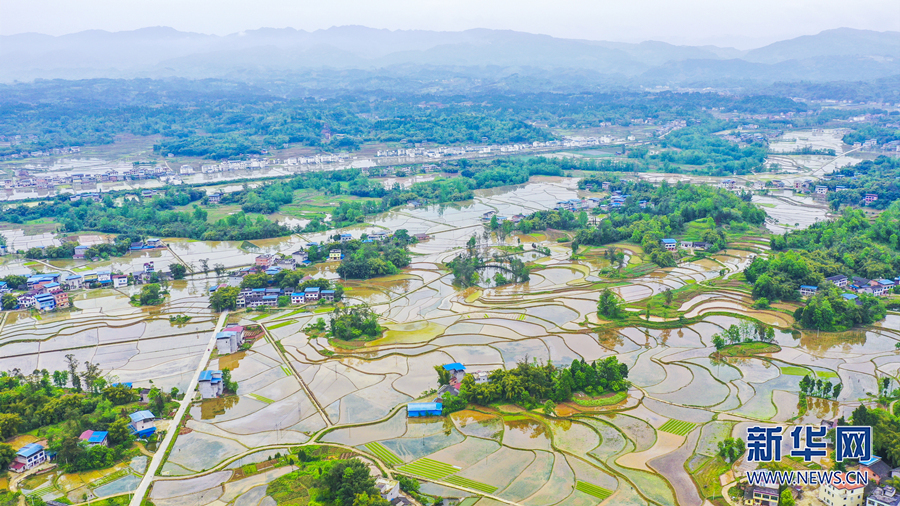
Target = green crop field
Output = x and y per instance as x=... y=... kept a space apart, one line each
x=827 y=374
x=677 y=427
x=598 y=492
x=281 y=324
x=261 y=398
x=428 y=468
x=474 y=485
x=791 y=370
x=383 y=453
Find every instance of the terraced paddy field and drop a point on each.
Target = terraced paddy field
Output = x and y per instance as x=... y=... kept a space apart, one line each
x=297 y=391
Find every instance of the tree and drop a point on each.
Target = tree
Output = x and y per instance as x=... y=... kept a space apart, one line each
x=120 y=394
x=836 y=391
x=150 y=295
x=9 y=425
x=668 y=295
x=258 y=280
x=118 y=431
x=224 y=298
x=60 y=378
x=9 y=301
x=73 y=371
x=90 y=375
x=7 y=454
x=204 y=264
x=347 y=479
x=548 y=408
x=284 y=300
x=609 y=304
x=178 y=271
x=718 y=342
x=443 y=375
x=220 y=270
x=227 y=383
x=787 y=498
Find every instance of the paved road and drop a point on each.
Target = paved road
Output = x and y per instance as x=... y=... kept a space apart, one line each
x=173 y=430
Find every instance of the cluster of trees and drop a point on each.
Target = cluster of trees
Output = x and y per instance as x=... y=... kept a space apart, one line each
x=368 y=260
x=609 y=305
x=531 y=384
x=879 y=176
x=354 y=322
x=151 y=295
x=731 y=449
x=744 y=332
x=466 y=266
x=671 y=208
x=65 y=403
x=819 y=388
x=827 y=310
x=850 y=245
x=330 y=483
x=142 y=218
x=885 y=432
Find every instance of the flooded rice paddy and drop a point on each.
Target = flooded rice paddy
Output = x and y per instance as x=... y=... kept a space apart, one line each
x=292 y=387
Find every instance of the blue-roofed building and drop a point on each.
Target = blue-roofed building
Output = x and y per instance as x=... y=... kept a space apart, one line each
x=346 y=237
x=80 y=252
x=419 y=409
x=211 y=384
x=298 y=298
x=95 y=438
x=45 y=301
x=327 y=295
x=311 y=244
x=808 y=290
x=670 y=244
x=312 y=293
x=4 y=287
x=72 y=282
x=27 y=457
x=142 y=423
x=457 y=371
x=126 y=384
x=273 y=271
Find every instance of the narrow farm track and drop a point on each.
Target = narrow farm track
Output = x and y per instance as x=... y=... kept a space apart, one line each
x=160 y=455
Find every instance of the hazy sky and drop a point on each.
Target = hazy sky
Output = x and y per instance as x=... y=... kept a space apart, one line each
x=739 y=23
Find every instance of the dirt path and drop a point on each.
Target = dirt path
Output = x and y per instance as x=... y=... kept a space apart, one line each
x=306 y=389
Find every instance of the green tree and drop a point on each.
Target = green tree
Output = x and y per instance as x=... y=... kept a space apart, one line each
x=120 y=394
x=345 y=480
x=9 y=301
x=787 y=498
x=178 y=271
x=224 y=298
x=7 y=454
x=258 y=280
x=443 y=375
x=9 y=425
x=548 y=408
x=608 y=305
x=668 y=295
x=118 y=431
x=718 y=341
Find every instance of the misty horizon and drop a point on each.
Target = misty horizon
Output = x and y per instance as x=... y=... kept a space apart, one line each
x=698 y=23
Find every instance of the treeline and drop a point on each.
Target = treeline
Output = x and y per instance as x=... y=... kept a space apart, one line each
x=880 y=176
x=868 y=131
x=152 y=217
x=220 y=119
x=669 y=209
x=827 y=310
x=531 y=384
x=849 y=245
